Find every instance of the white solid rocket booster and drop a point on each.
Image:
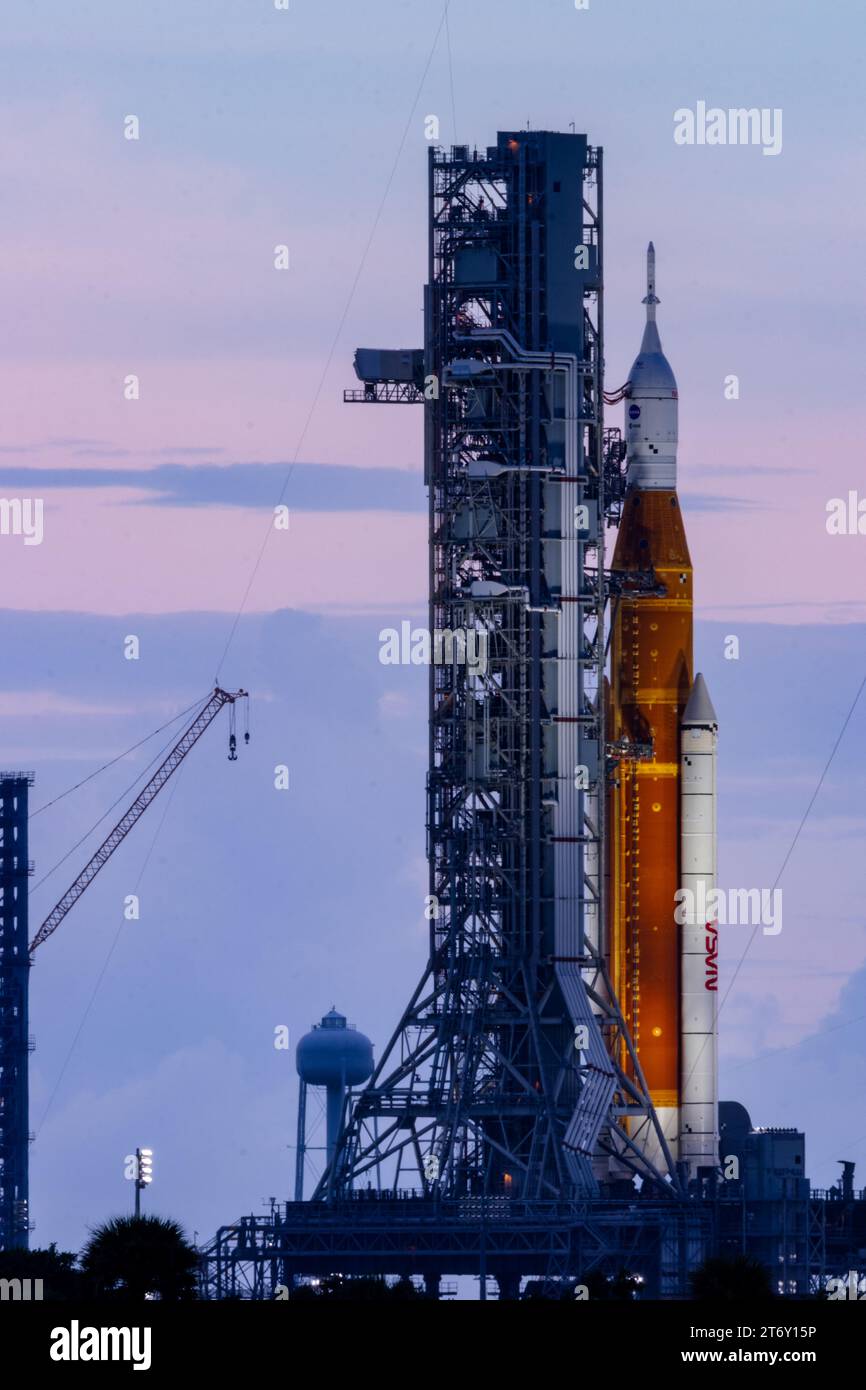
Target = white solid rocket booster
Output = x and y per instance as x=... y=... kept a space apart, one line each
x=699 y=976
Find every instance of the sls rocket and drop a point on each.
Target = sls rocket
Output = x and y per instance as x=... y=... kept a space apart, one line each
x=662 y=807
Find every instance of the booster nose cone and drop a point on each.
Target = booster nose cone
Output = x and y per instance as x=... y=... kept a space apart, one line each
x=699 y=712
x=651 y=405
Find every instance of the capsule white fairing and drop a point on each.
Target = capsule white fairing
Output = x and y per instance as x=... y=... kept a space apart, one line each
x=651 y=405
x=699 y=972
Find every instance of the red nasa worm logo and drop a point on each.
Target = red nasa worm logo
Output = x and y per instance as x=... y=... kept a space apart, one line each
x=712 y=957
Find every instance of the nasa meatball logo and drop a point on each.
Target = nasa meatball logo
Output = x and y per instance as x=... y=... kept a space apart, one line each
x=634 y=412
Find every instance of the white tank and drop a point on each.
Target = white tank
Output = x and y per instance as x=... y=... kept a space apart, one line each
x=335 y=1056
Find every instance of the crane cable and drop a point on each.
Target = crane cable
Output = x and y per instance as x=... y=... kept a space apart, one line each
x=157 y=757
x=111 y=763
x=333 y=346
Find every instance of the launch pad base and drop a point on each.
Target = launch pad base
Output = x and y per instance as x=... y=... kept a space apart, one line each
x=373 y=1234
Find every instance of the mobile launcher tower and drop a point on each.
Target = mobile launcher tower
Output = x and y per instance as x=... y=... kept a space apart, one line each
x=510 y=1112
x=512 y=1073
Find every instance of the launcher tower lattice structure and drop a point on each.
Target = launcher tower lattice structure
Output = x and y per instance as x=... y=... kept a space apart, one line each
x=511 y=1073
x=15 y=1042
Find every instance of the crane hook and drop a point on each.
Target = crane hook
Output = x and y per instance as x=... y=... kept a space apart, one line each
x=233 y=743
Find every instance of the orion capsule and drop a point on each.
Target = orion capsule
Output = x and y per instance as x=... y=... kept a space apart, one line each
x=651 y=404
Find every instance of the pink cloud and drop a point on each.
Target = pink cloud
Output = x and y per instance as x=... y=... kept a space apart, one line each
x=100 y=556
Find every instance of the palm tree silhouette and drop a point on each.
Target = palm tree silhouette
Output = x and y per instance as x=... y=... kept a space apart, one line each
x=131 y=1258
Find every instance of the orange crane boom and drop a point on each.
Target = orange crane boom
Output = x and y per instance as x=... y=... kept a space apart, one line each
x=170 y=764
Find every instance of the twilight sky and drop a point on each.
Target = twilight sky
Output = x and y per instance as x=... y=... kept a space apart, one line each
x=155 y=258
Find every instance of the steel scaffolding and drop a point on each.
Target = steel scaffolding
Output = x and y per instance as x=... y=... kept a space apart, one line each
x=505 y=1076
x=259 y=1257
x=14 y=991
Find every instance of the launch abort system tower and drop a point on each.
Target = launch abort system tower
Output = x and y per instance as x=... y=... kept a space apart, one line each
x=504 y=1076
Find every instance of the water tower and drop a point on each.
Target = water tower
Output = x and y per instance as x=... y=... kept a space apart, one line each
x=335 y=1056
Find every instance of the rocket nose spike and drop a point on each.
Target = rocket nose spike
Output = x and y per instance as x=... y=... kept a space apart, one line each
x=651 y=299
